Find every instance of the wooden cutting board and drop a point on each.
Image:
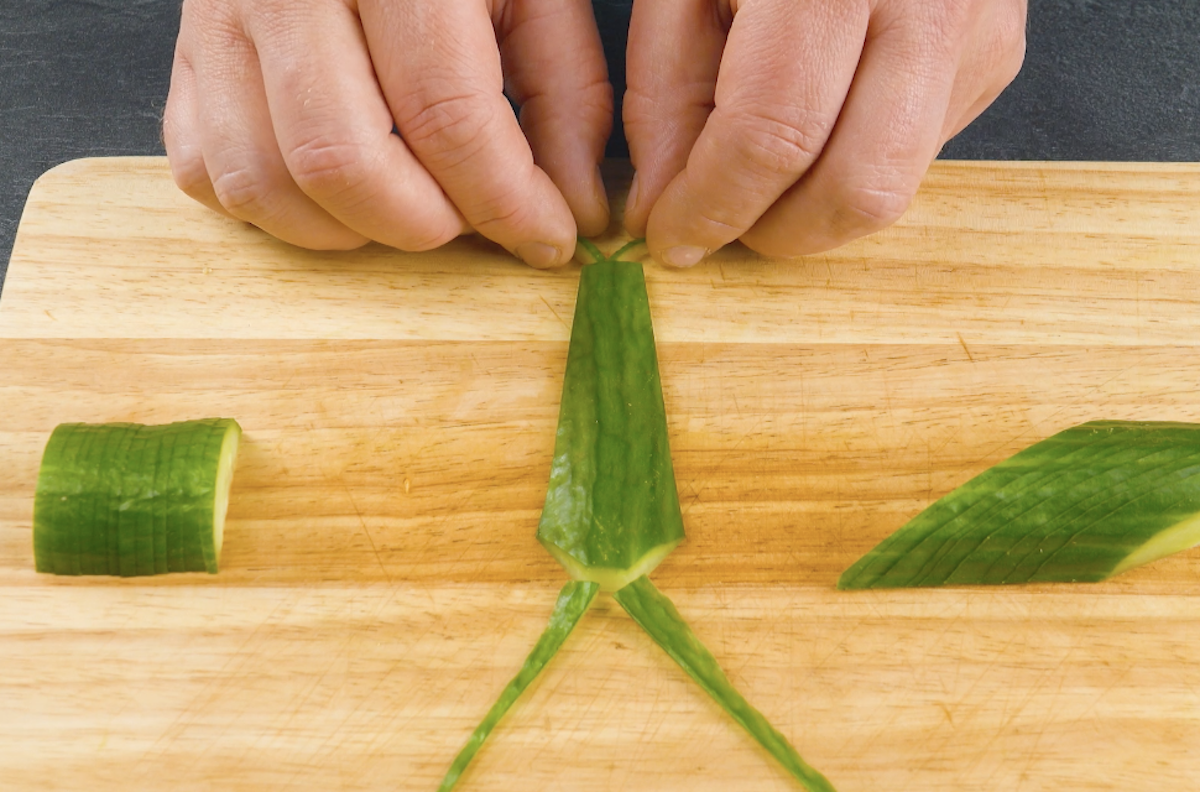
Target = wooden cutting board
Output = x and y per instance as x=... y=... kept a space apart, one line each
x=380 y=581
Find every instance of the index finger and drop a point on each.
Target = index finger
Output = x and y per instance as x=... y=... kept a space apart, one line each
x=439 y=67
x=785 y=73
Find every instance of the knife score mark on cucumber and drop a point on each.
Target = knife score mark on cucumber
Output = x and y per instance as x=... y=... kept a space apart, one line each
x=612 y=509
x=1081 y=506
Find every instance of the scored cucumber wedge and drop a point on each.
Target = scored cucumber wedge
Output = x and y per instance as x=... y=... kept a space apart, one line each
x=612 y=511
x=129 y=499
x=1081 y=506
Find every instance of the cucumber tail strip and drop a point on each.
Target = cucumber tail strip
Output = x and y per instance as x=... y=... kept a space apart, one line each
x=655 y=613
x=597 y=255
x=573 y=602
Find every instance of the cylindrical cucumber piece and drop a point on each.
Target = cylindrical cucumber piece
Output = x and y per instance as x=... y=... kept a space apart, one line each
x=130 y=499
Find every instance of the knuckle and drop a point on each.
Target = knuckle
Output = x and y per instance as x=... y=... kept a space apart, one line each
x=719 y=222
x=871 y=207
x=596 y=105
x=189 y=173
x=324 y=166
x=243 y=189
x=503 y=210
x=778 y=142
x=448 y=130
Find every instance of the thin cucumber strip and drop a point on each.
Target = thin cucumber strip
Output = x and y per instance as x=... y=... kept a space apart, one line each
x=121 y=467
x=573 y=602
x=158 y=517
x=127 y=499
x=656 y=614
x=173 y=532
x=612 y=510
x=628 y=246
x=190 y=522
x=1081 y=506
x=138 y=497
x=55 y=502
x=45 y=557
x=590 y=248
x=94 y=502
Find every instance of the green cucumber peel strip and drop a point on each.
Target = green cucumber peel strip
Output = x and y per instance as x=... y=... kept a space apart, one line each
x=1081 y=506
x=656 y=614
x=573 y=602
x=612 y=510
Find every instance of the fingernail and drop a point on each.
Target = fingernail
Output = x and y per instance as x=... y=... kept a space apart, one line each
x=631 y=198
x=683 y=255
x=539 y=254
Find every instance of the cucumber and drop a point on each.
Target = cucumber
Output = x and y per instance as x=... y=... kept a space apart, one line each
x=612 y=511
x=656 y=614
x=573 y=602
x=129 y=499
x=1081 y=506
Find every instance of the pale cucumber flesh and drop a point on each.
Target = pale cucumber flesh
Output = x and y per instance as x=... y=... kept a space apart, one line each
x=1080 y=506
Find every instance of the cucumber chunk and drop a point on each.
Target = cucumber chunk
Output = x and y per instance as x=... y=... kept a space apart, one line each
x=1081 y=506
x=129 y=499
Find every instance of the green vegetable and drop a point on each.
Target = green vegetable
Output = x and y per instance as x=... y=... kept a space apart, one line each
x=651 y=609
x=612 y=510
x=127 y=499
x=573 y=601
x=1084 y=505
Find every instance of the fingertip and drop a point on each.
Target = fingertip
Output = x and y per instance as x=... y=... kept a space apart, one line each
x=681 y=256
x=542 y=255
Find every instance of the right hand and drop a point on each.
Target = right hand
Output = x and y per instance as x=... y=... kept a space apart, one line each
x=281 y=114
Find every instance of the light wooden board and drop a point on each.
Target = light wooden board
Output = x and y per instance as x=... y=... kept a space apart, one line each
x=380 y=581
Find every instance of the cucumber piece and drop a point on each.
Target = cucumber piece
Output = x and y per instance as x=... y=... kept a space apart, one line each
x=573 y=602
x=1081 y=506
x=612 y=510
x=128 y=499
x=656 y=614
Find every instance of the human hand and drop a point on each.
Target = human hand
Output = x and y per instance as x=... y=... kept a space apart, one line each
x=799 y=125
x=281 y=112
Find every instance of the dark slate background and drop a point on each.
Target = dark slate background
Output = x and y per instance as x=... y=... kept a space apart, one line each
x=1103 y=80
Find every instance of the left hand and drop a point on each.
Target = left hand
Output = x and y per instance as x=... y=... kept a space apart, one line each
x=799 y=125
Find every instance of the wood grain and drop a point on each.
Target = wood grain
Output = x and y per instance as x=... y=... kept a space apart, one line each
x=380 y=581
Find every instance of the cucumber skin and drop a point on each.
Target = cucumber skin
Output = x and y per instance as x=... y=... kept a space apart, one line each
x=611 y=500
x=573 y=601
x=109 y=495
x=656 y=614
x=1070 y=508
